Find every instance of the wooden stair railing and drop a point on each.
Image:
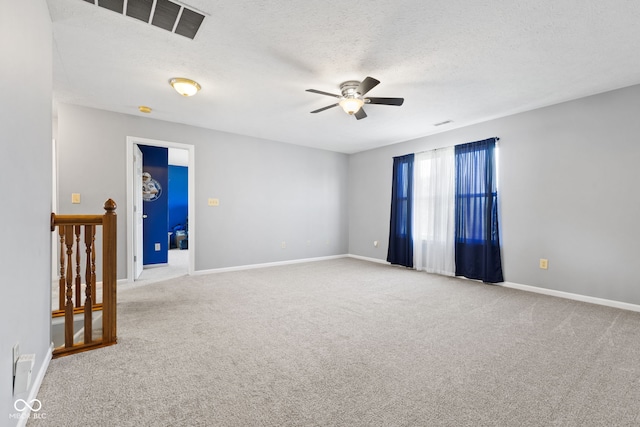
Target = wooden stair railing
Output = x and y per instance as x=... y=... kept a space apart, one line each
x=71 y=239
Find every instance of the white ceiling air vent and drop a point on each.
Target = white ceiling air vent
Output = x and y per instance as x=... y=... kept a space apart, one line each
x=164 y=14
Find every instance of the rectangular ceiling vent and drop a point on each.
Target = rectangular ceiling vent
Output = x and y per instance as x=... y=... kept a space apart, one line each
x=164 y=14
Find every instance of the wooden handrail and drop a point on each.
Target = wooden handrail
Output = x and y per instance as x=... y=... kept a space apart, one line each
x=75 y=220
x=70 y=233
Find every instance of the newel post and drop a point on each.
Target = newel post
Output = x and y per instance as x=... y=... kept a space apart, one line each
x=109 y=271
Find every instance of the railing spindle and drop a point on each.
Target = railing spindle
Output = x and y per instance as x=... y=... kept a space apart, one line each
x=88 y=302
x=68 y=308
x=78 y=268
x=62 y=287
x=93 y=264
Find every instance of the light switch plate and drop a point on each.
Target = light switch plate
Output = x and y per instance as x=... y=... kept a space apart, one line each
x=75 y=198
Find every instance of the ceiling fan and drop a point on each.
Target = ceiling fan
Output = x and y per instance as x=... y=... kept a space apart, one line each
x=352 y=98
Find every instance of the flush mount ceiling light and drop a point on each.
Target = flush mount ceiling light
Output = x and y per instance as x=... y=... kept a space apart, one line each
x=185 y=87
x=144 y=109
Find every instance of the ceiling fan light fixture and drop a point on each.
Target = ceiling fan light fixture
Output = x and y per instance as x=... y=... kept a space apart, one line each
x=351 y=105
x=353 y=97
x=185 y=87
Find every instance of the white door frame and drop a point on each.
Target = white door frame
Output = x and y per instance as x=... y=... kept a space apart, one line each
x=131 y=140
x=138 y=214
x=55 y=257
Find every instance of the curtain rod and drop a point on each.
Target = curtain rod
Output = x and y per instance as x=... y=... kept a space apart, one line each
x=447 y=146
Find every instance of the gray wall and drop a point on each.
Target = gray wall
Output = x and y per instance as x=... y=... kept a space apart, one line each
x=25 y=188
x=269 y=192
x=568 y=185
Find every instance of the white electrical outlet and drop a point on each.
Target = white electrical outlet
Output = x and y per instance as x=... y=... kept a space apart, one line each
x=24 y=368
x=157 y=247
x=283 y=245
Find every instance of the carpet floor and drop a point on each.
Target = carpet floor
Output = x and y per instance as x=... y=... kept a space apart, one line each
x=350 y=343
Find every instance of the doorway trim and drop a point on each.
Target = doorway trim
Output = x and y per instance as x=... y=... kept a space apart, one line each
x=134 y=140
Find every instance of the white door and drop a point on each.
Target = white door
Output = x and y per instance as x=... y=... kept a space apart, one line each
x=137 y=212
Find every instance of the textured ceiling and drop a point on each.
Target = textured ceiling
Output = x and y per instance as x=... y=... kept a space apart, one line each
x=466 y=61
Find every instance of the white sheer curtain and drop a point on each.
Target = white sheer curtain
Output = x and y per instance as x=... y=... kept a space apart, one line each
x=434 y=211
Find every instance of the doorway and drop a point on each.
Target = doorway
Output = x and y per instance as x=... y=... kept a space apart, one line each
x=181 y=261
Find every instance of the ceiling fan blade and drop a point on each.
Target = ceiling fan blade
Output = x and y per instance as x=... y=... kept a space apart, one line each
x=360 y=114
x=323 y=93
x=324 y=108
x=367 y=84
x=385 y=101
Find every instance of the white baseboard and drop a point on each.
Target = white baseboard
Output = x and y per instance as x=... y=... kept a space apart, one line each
x=267 y=264
x=364 y=258
x=576 y=297
x=35 y=388
x=544 y=291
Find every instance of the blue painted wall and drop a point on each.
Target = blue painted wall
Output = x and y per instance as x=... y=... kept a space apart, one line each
x=178 y=197
x=155 y=162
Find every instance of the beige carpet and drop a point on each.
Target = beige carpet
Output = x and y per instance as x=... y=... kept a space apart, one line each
x=350 y=343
